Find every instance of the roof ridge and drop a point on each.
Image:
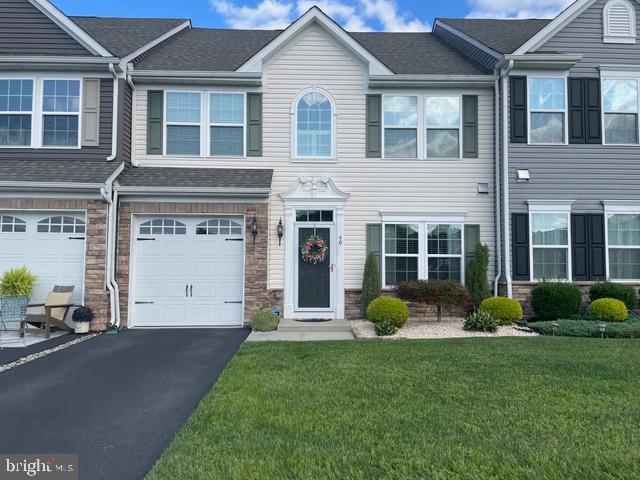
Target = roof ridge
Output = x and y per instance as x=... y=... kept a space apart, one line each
x=129 y=18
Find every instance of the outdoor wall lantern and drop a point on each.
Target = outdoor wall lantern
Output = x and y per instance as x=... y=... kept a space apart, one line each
x=254 y=228
x=280 y=232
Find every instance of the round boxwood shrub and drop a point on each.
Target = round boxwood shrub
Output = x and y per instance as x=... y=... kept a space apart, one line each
x=480 y=321
x=264 y=321
x=624 y=293
x=388 y=308
x=608 y=310
x=385 y=328
x=554 y=300
x=503 y=310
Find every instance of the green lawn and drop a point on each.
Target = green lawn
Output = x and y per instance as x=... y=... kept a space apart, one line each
x=500 y=408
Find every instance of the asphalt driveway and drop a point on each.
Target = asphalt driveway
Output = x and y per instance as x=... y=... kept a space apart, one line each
x=116 y=400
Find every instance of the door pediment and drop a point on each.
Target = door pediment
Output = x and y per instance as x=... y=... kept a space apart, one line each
x=314 y=187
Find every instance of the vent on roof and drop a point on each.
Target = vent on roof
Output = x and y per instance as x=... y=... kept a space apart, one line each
x=619 y=22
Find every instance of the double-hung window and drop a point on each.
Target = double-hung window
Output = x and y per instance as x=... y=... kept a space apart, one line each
x=226 y=119
x=550 y=256
x=400 y=126
x=401 y=253
x=183 y=123
x=547 y=110
x=60 y=113
x=16 y=112
x=620 y=105
x=623 y=235
x=314 y=126
x=444 y=252
x=442 y=121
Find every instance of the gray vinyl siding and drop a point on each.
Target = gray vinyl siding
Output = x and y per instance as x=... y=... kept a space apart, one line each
x=584 y=36
x=99 y=153
x=25 y=30
x=468 y=49
x=125 y=123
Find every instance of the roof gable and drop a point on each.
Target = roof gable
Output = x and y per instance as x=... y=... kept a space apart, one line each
x=316 y=16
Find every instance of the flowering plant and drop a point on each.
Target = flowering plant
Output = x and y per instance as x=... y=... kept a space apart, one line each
x=314 y=250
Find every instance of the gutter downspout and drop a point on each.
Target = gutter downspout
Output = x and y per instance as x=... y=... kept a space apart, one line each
x=497 y=190
x=114 y=119
x=111 y=197
x=504 y=76
x=134 y=95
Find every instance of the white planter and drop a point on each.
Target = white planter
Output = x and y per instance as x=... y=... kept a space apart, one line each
x=82 y=327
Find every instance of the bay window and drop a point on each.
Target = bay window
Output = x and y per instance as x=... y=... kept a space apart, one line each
x=547 y=110
x=620 y=105
x=226 y=117
x=183 y=123
x=442 y=121
x=623 y=233
x=400 y=126
x=16 y=111
x=422 y=250
x=550 y=255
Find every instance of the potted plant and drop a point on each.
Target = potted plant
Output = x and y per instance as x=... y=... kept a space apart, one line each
x=82 y=317
x=16 y=288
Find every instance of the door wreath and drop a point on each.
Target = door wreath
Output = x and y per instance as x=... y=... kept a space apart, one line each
x=314 y=250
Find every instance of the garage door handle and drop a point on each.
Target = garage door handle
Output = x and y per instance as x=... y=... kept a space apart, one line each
x=140 y=239
x=186 y=290
x=144 y=303
x=238 y=301
x=76 y=238
x=191 y=291
x=234 y=239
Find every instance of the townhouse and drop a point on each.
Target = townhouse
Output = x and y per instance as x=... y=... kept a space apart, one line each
x=173 y=174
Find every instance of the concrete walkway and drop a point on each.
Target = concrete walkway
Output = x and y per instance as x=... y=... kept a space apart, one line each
x=309 y=331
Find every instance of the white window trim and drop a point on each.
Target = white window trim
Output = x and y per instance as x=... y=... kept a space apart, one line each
x=610 y=210
x=607 y=37
x=37 y=111
x=620 y=76
x=423 y=254
x=428 y=127
x=550 y=209
x=212 y=124
x=539 y=76
x=421 y=126
x=332 y=158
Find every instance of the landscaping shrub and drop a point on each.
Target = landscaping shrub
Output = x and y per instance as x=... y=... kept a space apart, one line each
x=385 y=328
x=388 y=308
x=441 y=293
x=624 y=293
x=608 y=310
x=17 y=281
x=480 y=321
x=477 y=275
x=553 y=300
x=264 y=320
x=504 y=310
x=588 y=328
x=370 y=282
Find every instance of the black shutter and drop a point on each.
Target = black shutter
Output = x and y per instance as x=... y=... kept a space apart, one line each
x=470 y=126
x=518 y=109
x=580 y=246
x=577 y=112
x=596 y=246
x=593 y=121
x=374 y=126
x=155 y=112
x=520 y=242
x=374 y=242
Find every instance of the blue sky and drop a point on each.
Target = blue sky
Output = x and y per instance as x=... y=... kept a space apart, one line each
x=356 y=15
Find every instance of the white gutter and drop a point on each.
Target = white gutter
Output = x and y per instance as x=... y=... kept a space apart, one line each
x=58 y=59
x=134 y=96
x=114 y=115
x=504 y=77
x=111 y=197
x=497 y=190
x=208 y=191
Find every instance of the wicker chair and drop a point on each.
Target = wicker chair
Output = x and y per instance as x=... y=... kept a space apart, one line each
x=55 y=312
x=12 y=312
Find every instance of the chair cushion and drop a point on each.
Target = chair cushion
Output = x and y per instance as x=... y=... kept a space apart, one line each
x=59 y=298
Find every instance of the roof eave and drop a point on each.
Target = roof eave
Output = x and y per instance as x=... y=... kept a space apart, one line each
x=195 y=191
x=49 y=186
x=54 y=62
x=410 y=80
x=194 y=77
x=547 y=61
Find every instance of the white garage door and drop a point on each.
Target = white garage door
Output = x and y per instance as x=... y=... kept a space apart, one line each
x=188 y=271
x=50 y=244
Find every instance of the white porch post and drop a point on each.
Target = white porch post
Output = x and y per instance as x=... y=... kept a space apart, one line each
x=340 y=262
x=289 y=258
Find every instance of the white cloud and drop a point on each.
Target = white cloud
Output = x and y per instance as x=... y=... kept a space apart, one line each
x=516 y=8
x=353 y=15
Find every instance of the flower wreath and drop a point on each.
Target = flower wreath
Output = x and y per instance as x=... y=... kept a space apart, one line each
x=314 y=250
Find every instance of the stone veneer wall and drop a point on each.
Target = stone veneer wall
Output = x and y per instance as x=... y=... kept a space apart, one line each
x=255 y=289
x=417 y=311
x=95 y=293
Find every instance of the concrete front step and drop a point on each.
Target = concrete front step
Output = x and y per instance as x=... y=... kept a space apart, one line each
x=287 y=325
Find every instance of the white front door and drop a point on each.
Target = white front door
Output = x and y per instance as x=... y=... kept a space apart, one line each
x=50 y=244
x=189 y=271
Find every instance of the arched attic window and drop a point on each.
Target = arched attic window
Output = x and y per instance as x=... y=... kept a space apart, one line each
x=619 y=22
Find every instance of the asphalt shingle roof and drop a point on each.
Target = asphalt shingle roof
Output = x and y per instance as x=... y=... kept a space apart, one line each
x=122 y=36
x=501 y=35
x=202 y=49
x=196 y=177
x=64 y=171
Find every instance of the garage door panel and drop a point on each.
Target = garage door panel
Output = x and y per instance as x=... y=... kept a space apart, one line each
x=206 y=269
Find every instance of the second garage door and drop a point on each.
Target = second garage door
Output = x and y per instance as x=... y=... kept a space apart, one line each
x=188 y=271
